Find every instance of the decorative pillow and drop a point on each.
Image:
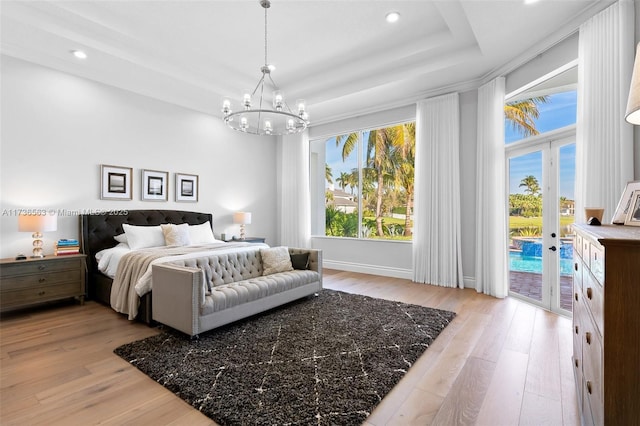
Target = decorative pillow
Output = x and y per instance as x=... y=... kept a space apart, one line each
x=201 y=234
x=121 y=238
x=275 y=259
x=143 y=236
x=176 y=235
x=300 y=261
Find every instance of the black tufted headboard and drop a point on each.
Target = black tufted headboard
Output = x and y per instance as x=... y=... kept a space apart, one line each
x=98 y=230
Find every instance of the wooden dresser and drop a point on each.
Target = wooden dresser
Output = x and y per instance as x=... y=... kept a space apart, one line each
x=31 y=281
x=606 y=323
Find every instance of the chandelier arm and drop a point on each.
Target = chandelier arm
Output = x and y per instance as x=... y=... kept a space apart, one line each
x=266 y=63
x=260 y=82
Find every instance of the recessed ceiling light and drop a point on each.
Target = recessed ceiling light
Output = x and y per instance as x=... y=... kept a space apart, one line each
x=79 y=54
x=392 y=17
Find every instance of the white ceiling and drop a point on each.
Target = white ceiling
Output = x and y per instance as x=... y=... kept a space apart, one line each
x=342 y=57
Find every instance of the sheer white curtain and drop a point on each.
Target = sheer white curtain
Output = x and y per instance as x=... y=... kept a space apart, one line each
x=436 y=230
x=604 y=147
x=294 y=199
x=491 y=236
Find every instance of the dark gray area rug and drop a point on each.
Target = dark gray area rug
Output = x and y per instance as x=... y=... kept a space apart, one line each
x=321 y=360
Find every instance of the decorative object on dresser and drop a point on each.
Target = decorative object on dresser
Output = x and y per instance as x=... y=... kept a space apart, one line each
x=633 y=215
x=115 y=182
x=155 y=185
x=37 y=224
x=186 y=187
x=622 y=209
x=320 y=360
x=28 y=282
x=243 y=218
x=606 y=323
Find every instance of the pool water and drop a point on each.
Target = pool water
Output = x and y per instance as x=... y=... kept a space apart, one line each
x=520 y=263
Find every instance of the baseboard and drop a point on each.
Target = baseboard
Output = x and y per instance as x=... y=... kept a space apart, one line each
x=384 y=271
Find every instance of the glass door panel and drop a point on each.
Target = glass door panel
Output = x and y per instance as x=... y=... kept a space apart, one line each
x=525 y=174
x=566 y=214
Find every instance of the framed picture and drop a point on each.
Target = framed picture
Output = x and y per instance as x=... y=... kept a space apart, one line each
x=155 y=185
x=115 y=182
x=633 y=216
x=186 y=187
x=620 y=216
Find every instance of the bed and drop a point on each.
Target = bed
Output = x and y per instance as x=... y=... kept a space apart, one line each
x=98 y=232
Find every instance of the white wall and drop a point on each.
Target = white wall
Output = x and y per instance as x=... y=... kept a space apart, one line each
x=56 y=130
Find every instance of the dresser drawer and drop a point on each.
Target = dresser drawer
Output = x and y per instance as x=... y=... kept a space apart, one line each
x=39 y=280
x=592 y=359
x=36 y=267
x=30 y=295
x=585 y=250
x=578 y=267
x=593 y=297
x=596 y=262
x=577 y=244
x=577 y=348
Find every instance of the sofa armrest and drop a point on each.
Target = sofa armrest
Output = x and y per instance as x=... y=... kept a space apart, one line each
x=315 y=258
x=177 y=294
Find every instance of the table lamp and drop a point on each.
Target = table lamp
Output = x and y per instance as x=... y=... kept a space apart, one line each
x=37 y=224
x=243 y=218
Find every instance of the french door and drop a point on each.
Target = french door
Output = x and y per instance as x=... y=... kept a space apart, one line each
x=540 y=180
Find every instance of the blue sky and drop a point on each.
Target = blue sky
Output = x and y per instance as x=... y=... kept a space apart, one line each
x=559 y=112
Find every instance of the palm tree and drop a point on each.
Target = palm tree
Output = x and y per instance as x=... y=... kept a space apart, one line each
x=531 y=185
x=343 y=180
x=328 y=174
x=521 y=114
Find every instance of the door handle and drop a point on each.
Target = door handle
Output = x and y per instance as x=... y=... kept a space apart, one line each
x=553 y=248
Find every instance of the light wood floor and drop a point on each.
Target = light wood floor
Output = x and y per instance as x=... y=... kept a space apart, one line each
x=500 y=362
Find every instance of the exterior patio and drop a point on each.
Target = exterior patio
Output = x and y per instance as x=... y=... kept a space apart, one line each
x=529 y=284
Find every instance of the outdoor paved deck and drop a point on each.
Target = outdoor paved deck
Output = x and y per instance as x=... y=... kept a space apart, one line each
x=529 y=284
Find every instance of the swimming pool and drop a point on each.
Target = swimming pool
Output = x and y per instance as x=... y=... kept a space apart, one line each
x=520 y=263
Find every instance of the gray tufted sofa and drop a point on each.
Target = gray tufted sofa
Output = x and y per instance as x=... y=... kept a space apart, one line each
x=196 y=295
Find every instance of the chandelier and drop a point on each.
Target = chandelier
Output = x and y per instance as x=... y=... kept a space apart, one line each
x=266 y=118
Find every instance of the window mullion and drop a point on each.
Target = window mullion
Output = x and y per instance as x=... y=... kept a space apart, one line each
x=360 y=151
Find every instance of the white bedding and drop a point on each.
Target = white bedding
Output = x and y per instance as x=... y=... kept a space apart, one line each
x=125 y=296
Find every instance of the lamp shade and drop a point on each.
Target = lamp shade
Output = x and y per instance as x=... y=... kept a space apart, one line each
x=37 y=223
x=243 y=218
x=633 y=104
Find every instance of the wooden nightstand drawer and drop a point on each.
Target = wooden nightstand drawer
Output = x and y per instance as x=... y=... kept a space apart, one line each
x=31 y=295
x=39 y=280
x=34 y=267
x=27 y=282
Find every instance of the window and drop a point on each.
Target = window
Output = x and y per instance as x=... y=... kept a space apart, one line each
x=368 y=180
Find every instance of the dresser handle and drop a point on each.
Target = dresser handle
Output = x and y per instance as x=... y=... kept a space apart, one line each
x=41 y=267
x=587 y=336
x=589 y=293
x=575 y=266
x=576 y=329
x=576 y=362
x=589 y=386
x=41 y=280
x=576 y=296
x=41 y=293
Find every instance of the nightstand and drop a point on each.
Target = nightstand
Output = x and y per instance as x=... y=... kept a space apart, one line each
x=32 y=281
x=251 y=240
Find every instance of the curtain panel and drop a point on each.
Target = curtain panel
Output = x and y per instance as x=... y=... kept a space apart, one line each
x=436 y=232
x=604 y=145
x=491 y=220
x=294 y=202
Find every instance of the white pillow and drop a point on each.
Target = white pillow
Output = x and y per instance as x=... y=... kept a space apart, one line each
x=201 y=234
x=122 y=238
x=275 y=259
x=143 y=236
x=176 y=235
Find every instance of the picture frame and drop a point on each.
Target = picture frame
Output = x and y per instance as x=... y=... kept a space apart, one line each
x=115 y=182
x=155 y=185
x=186 y=188
x=620 y=215
x=633 y=215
